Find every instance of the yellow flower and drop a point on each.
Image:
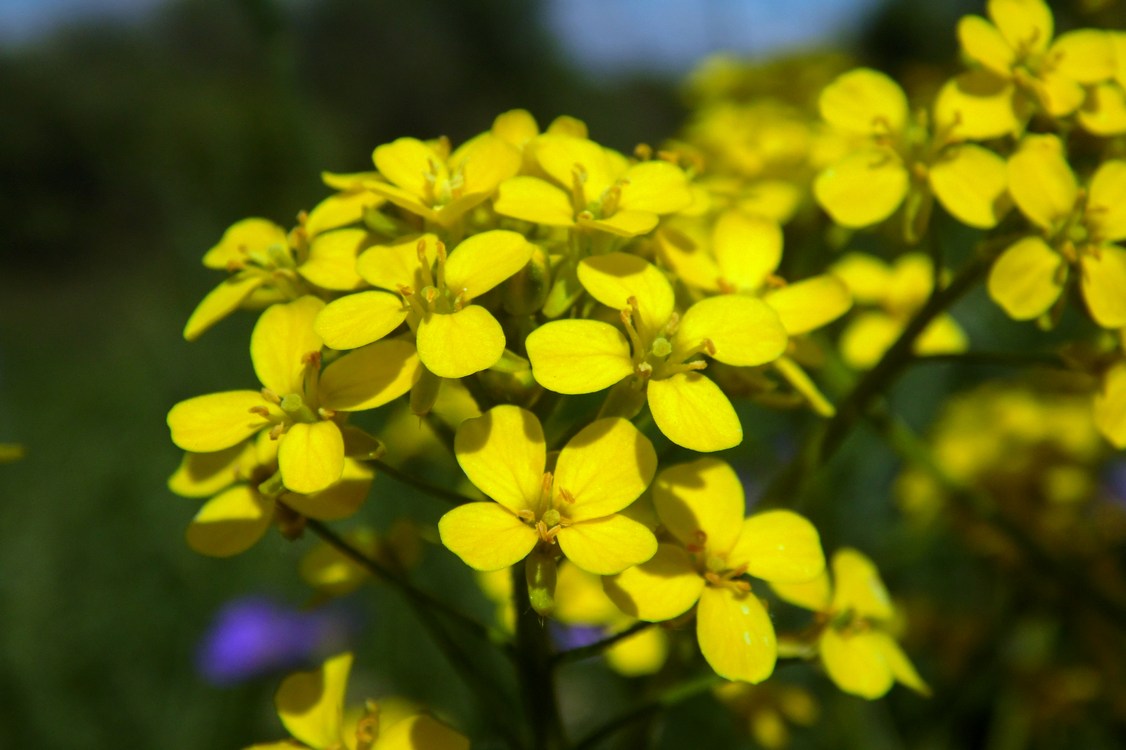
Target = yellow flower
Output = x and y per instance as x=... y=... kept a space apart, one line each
x=858 y=653
x=1021 y=68
x=701 y=504
x=897 y=160
x=311 y=707
x=1078 y=231
x=592 y=187
x=299 y=403
x=353 y=200
x=332 y=573
x=586 y=356
x=767 y=708
x=597 y=474
x=898 y=291
x=1110 y=405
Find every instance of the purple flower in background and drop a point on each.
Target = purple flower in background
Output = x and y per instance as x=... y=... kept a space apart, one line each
x=567 y=637
x=1114 y=478
x=255 y=635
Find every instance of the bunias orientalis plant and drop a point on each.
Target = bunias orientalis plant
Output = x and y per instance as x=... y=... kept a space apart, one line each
x=564 y=329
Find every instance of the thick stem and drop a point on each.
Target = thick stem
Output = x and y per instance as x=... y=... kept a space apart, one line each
x=533 y=663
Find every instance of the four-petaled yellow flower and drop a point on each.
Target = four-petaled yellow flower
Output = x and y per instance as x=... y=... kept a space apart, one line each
x=856 y=649
x=600 y=471
x=702 y=505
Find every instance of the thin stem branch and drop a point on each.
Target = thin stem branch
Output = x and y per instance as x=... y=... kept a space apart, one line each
x=534 y=669
x=992 y=359
x=594 y=649
x=441 y=493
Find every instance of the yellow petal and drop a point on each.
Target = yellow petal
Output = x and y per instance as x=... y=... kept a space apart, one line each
x=1104 y=284
x=484 y=162
x=604 y=468
x=580 y=599
x=486 y=536
x=397 y=265
x=613 y=278
x=942 y=336
x=867 y=337
x=311 y=456
x=810 y=304
x=578 y=356
x=370 y=377
x=655 y=186
x=340 y=500
x=694 y=413
x=407 y=162
x=702 y=504
x=901 y=667
x=503 y=453
x=983 y=43
x=484 y=260
x=244 y=239
x=1041 y=182
x=421 y=732
x=640 y=654
x=219 y=303
x=358 y=319
x=517 y=126
x=609 y=545
x=866 y=277
x=281 y=339
x=1084 y=55
x=1106 y=202
x=333 y=573
x=216 y=421
x=1025 y=24
x=979 y=105
x=735 y=635
x=863 y=188
x=535 y=200
x=461 y=343
x=1025 y=281
x=1058 y=94
x=311 y=704
x=624 y=223
x=664 y=587
x=682 y=252
x=815 y=594
x=332 y=259
x=1104 y=110
x=855 y=664
x=230 y=522
x=972 y=184
x=864 y=101
x=204 y=474
x=858 y=587
x=779 y=546
x=344 y=208
x=744 y=331
x=747 y=249
x=560 y=155
x=1110 y=406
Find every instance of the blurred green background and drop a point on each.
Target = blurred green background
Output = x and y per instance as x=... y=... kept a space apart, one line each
x=127 y=145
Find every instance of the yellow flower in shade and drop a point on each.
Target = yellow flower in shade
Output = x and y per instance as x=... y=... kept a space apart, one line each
x=660 y=349
x=600 y=471
x=425 y=179
x=332 y=573
x=898 y=291
x=856 y=649
x=897 y=160
x=454 y=338
x=1110 y=404
x=1079 y=228
x=769 y=709
x=241 y=506
x=299 y=404
x=592 y=187
x=702 y=505
x=1021 y=68
x=311 y=707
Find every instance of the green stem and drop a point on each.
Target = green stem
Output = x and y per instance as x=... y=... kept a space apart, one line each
x=451 y=497
x=534 y=669
x=677 y=694
x=594 y=649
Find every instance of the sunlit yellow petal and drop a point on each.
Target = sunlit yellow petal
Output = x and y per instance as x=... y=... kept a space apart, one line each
x=503 y=453
x=855 y=664
x=942 y=335
x=406 y=162
x=604 y=468
x=694 y=413
x=983 y=43
x=901 y=667
x=779 y=545
x=1106 y=202
x=421 y=732
x=216 y=421
x=358 y=319
x=230 y=522
x=344 y=208
x=701 y=503
x=735 y=635
x=578 y=356
x=1025 y=24
x=332 y=259
x=461 y=343
x=340 y=500
x=484 y=162
x=311 y=704
x=655 y=186
x=1104 y=285
x=664 y=587
x=612 y=279
x=1084 y=55
x=219 y=303
x=1025 y=281
x=867 y=337
x=397 y=265
x=640 y=654
x=684 y=253
x=606 y=546
x=311 y=456
x=810 y=304
x=580 y=600
x=1041 y=182
x=747 y=249
x=815 y=594
x=1104 y=109
x=972 y=184
x=370 y=377
x=857 y=586
x=864 y=101
x=1059 y=95
x=281 y=339
x=1110 y=406
x=863 y=188
x=204 y=474
x=486 y=536
x=744 y=331
x=979 y=105
x=243 y=240
x=866 y=277
x=517 y=126
x=624 y=223
x=561 y=155
x=484 y=260
x=533 y=199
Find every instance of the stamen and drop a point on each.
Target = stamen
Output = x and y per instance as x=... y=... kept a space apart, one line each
x=566 y=495
x=578 y=186
x=424 y=263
